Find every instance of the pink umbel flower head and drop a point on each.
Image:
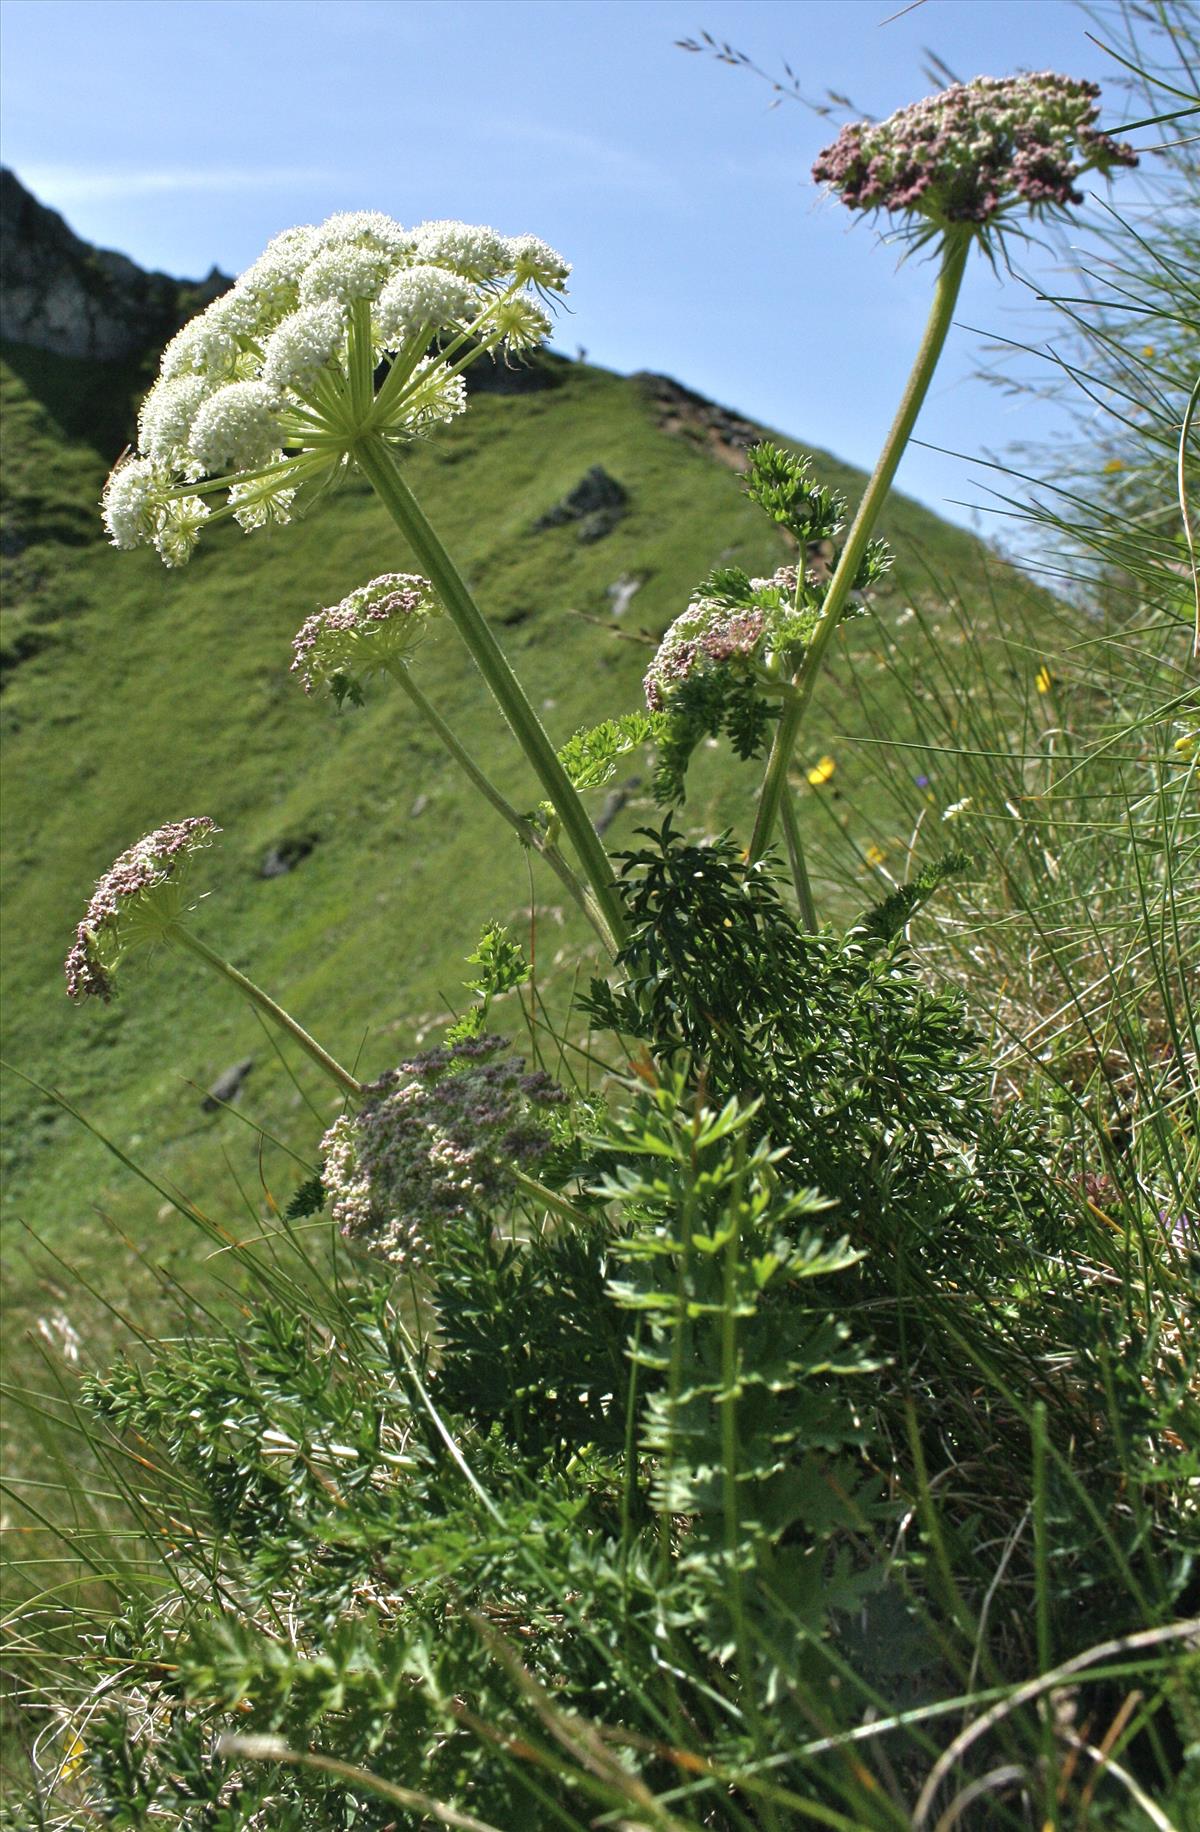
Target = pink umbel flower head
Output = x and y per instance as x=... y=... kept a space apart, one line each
x=975 y=151
x=720 y=633
x=374 y=627
x=135 y=902
x=435 y=1141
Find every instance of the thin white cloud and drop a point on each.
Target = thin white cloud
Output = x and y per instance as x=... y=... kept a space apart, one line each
x=69 y=184
x=594 y=160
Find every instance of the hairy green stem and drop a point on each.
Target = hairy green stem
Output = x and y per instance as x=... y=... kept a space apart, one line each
x=276 y=1013
x=524 y=829
x=955 y=249
x=379 y=467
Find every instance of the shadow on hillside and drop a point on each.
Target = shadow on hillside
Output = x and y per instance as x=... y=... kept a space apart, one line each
x=91 y=402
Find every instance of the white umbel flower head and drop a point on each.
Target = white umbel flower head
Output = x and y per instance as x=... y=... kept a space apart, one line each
x=132 y=502
x=270 y=288
x=272 y=388
x=303 y=344
x=261 y=503
x=365 y=229
x=165 y=421
x=343 y=273
x=537 y=264
x=469 y=249
x=436 y=396
x=207 y=345
x=423 y=298
x=518 y=323
x=178 y=530
x=237 y=429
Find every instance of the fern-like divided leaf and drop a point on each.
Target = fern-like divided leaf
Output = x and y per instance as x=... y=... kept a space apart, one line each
x=308 y=1199
x=590 y=757
x=502 y=968
x=784 y=488
x=886 y=919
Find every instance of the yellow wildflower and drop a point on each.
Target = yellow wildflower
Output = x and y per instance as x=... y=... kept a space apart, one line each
x=875 y=855
x=1187 y=746
x=1149 y=350
x=821 y=771
x=1043 y=681
x=1113 y=466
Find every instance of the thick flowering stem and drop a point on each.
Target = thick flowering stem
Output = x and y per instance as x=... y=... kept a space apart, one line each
x=955 y=249
x=380 y=469
x=524 y=829
x=345 y=1081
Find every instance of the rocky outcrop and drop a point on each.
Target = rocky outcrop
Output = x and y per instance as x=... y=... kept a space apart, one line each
x=681 y=411
x=60 y=294
x=597 y=504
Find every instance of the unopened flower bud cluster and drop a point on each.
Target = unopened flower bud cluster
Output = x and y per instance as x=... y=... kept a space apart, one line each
x=975 y=150
x=134 y=902
x=436 y=1140
x=374 y=627
x=255 y=395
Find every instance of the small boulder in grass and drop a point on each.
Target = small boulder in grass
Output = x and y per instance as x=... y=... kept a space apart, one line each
x=286 y=854
x=597 y=503
x=228 y=1086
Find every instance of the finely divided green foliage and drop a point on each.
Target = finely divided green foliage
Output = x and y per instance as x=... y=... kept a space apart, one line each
x=591 y=756
x=628 y=1483
x=828 y=1033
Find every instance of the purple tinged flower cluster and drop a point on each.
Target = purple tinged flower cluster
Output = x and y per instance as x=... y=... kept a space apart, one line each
x=974 y=151
x=135 y=900
x=713 y=633
x=373 y=627
x=436 y=1140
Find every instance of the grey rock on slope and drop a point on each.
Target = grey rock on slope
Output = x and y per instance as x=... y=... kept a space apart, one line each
x=60 y=294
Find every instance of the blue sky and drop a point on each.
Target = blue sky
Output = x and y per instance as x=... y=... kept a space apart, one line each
x=186 y=132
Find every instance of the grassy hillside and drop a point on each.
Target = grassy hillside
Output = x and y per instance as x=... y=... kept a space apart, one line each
x=134 y=695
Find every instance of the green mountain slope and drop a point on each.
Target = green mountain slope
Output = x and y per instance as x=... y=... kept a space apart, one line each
x=135 y=695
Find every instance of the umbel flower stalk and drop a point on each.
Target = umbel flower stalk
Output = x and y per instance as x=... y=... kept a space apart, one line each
x=376 y=630
x=140 y=901
x=953 y=168
x=269 y=395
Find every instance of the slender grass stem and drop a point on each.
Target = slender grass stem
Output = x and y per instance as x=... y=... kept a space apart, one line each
x=800 y=878
x=524 y=829
x=335 y=1071
x=730 y=1391
x=955 y=249
x=382 y=472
